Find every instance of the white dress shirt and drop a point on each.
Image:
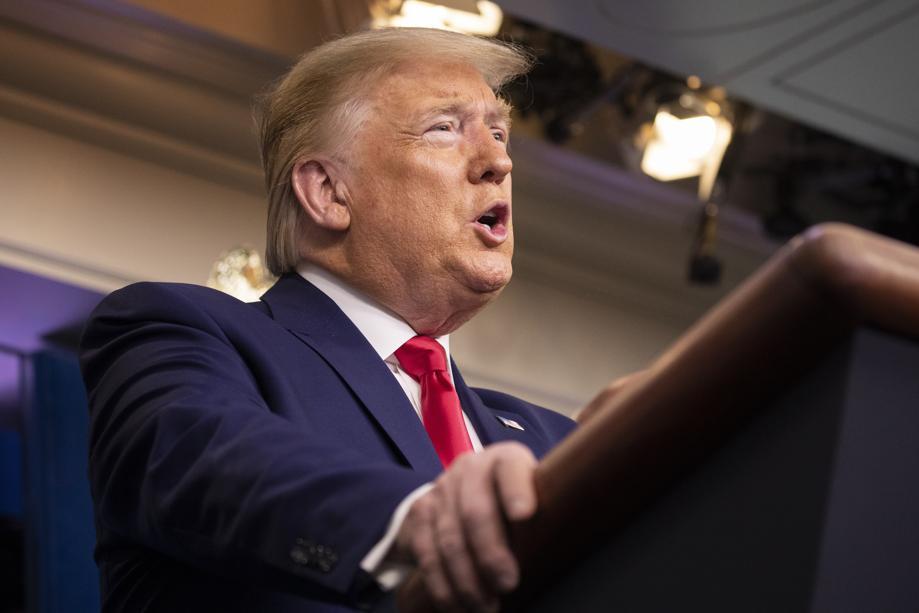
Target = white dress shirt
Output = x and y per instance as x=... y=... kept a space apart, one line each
x=386 y=332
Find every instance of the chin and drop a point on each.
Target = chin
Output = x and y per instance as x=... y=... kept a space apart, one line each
x=471 y=289
x=490 y=279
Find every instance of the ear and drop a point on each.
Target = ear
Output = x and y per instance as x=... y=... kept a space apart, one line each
x=313 y=185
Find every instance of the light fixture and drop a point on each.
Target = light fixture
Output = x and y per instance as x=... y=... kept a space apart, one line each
x=470 y=17
x=687 y=138
x=239 y=272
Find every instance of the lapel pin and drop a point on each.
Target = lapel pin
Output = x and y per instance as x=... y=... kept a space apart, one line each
x=509 y=423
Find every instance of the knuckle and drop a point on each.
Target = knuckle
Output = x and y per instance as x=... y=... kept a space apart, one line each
x=451 y=543
x=422 y=545
x=441 y=481
x=514 y=449
x=475 y=512
x=428 y=561
x=422 y=511
x=495 y=560
x=526 y=453
x=515 y=462
x=464 y=460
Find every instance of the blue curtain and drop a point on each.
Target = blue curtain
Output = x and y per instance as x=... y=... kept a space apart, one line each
x=59 y=523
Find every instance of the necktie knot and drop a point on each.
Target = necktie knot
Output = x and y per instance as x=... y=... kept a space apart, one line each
x=421 y=355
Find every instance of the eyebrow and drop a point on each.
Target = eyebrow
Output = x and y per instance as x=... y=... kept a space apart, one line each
x=501 y=113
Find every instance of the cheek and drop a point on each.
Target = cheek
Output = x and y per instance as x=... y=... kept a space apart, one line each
x=434 y=207
x=416 y=199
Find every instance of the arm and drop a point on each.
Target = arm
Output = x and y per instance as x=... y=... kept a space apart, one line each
x=187 y=459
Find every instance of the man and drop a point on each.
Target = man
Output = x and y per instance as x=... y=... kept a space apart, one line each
x=302 y=452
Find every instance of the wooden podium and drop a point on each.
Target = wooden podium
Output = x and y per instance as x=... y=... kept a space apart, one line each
x=769 y=460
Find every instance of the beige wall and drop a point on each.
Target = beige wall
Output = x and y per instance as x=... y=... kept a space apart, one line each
x=86 y=214
x=556 y=347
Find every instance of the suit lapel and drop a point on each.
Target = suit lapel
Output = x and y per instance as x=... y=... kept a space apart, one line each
x=485 y=421
x=316 y=320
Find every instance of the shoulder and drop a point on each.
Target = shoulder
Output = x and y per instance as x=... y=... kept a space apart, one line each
x=152 y=295
x=170 y=301
x=150 y=323
x=137 y=310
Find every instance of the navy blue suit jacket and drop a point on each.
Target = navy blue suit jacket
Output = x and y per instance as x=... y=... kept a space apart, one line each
x=245 y=457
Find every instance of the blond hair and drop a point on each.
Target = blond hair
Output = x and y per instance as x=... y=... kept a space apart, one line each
x=317 y=107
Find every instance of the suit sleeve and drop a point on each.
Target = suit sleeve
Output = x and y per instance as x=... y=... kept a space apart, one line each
x=188 y=460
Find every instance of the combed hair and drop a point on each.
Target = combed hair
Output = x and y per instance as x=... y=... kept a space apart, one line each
x=317 y=107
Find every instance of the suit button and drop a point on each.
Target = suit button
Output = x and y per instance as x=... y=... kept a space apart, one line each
x=299 y=555
x=311 y=555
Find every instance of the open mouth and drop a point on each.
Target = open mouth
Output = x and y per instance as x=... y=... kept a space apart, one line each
x=493 y=223
x=489 y=219
x=494 y=217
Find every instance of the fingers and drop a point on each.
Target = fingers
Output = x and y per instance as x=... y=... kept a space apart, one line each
x=456 y=532
x=459 y=560
x=515 y=485
x=483 y=523
x=418 y=528
x=608 y=393
x=490 y=487
x=432 y=536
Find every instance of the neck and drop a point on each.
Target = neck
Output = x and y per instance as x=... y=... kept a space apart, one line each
x=428 y=323
x=428 y=309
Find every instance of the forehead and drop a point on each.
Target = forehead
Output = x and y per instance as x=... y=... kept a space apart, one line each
x=418 y=87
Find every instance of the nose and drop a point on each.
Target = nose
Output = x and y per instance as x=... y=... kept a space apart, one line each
x=490 y=162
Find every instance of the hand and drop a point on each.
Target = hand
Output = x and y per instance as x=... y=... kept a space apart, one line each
x=609 y=392
x=455 y=533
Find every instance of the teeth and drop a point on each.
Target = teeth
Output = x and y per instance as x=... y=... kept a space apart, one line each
x=488 y=219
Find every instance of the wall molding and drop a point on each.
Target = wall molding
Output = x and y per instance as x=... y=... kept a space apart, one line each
x=130 y=32
x=61 y=269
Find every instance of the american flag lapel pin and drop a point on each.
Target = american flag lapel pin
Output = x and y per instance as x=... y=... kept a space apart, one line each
x=509 y=423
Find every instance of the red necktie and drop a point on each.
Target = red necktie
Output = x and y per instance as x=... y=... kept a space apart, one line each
x=425 y=361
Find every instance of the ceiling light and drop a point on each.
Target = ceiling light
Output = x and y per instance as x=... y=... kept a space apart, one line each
x=679 y=148
x=687 y=138
x=480 y=18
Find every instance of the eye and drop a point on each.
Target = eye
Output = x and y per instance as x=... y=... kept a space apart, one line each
x=442 y=127
x=499 y=135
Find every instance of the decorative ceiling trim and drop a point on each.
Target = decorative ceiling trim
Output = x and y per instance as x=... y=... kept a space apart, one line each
x=131 y=139
x=129 y=32
x=784 y=47
x=716 y=30
x=784 y=78
x=62 y=269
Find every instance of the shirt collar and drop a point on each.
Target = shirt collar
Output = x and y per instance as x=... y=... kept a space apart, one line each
x=383 y=329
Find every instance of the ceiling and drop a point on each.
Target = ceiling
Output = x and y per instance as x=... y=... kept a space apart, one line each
x=839 y=65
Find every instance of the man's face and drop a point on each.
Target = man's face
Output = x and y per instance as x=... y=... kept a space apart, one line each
x=430 y=190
